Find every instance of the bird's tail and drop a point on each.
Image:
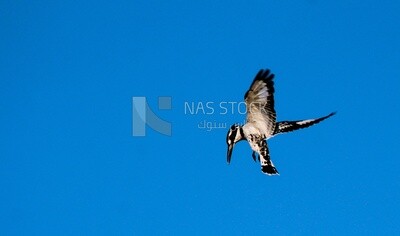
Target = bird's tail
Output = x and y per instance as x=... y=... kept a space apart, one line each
x=268 y=168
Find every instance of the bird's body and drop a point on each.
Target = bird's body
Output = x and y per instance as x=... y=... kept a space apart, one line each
x=261 y=121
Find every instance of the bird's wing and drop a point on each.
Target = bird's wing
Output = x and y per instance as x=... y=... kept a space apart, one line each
x=260 y=102
x=289 y=126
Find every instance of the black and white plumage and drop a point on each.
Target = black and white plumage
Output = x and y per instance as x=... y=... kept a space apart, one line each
x=261 y=122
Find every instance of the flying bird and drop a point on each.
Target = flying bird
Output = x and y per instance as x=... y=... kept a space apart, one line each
x=261 y=122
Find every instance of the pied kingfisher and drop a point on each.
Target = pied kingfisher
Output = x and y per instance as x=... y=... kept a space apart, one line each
x=261 y=122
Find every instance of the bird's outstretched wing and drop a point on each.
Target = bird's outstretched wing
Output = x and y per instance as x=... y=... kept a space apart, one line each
x=289 y=126
x=260 y=102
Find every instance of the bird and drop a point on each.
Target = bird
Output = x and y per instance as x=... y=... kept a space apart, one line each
x=261 y=123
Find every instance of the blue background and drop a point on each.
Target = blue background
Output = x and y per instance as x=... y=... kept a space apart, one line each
x=69 y=164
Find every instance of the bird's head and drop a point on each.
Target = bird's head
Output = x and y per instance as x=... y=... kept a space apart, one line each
x=235 y=134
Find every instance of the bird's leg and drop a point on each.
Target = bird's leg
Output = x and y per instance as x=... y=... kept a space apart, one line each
x=254 y=156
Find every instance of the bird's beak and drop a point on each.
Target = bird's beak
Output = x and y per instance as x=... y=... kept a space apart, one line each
x=229 y=154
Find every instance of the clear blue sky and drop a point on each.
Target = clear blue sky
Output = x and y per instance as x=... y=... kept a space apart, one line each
x=69 y=164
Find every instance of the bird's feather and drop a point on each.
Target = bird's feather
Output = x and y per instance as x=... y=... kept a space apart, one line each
x=260 y=103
